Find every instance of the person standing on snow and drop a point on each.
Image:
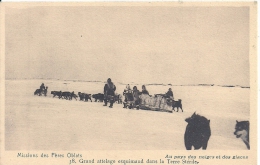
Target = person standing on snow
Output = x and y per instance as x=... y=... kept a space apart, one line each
x=109 y=92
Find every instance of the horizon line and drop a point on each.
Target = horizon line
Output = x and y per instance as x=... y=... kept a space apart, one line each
x=134 y=83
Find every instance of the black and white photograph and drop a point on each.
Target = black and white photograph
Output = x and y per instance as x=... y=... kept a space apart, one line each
x=128 y=77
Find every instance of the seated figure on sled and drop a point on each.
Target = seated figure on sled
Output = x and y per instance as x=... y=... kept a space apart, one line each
x=145 y=99
x=169 y=96
x=109 y=93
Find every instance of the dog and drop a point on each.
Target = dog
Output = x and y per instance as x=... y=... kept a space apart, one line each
x=65 y=95
x=197 y=132
x=56 y=93
x=98 y=97
x=72 y=95
x=87 y=97
x=242 y=131
x=177 y=104
x=38 y=92
x=118 y=99
x=84 y=96
x=81 y=96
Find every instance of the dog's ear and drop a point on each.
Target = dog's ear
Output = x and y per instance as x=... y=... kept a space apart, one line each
x=236 y=121
x=208 y=121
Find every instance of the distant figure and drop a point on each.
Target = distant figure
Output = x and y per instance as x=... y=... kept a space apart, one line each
x=169 y=94
x=136 y=97
x=128 y=87
x=144 y=91
x=42 y=87
x=126 y=90
x=109 y=92
x=45 y=91
x=197 y=132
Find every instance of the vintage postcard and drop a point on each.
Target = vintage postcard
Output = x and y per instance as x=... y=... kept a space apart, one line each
x=122 y=83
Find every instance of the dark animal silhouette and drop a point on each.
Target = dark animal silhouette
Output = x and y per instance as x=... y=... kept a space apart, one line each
x=118 y=99
x=242 y=131
x=56 y=93
x=177 y=104
x=84 y=96
x=98 y=97
x=197 y=132
x=38 y=92
x=65 y=95
x=81 y=96
x=88 y=97
x=72 y=95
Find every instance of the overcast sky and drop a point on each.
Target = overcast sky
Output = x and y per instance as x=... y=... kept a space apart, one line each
x=178 y=45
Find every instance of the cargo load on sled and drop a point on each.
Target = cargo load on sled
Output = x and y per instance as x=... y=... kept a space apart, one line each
x=155 y=103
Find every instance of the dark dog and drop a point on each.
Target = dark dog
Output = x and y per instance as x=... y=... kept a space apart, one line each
x=118 y=99
x=81 y=96
x=56 y=93
x=72 y=95
x=65 y=95
x=84 y=96
x=88 y=97
x=242 y=131
x=38 y=92
x=177 y=104
x=197 y=132
x=98 y=97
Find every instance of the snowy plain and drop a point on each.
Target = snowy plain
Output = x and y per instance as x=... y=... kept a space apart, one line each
x=47 y=123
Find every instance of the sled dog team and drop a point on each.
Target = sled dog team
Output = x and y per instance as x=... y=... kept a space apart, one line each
x=197 y=133
x=130 y=98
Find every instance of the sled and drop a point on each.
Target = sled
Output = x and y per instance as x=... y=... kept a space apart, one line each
x=157 y=103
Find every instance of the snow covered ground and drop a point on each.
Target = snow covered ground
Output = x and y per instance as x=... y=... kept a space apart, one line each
x=46 y=123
